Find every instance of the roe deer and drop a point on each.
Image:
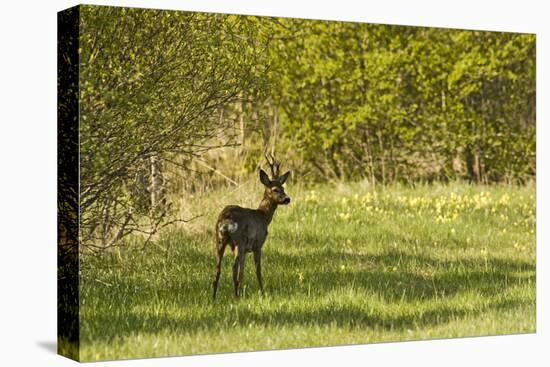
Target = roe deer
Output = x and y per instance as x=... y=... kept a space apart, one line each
x=245 y=230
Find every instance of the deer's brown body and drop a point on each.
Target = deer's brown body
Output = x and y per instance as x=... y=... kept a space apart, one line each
x=244 y=230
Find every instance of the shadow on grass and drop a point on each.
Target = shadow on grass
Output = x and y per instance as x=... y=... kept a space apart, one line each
x=344 y=316
x=432 y=278
x=452 y=277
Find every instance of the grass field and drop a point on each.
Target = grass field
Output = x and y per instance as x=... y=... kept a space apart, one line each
x=343 y=264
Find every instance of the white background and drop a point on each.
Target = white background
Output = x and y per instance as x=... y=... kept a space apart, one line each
x=28 y=182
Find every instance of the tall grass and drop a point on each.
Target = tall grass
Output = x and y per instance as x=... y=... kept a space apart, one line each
x=343 y=264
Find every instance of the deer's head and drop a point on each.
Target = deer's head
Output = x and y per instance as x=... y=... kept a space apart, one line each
x=274 y=189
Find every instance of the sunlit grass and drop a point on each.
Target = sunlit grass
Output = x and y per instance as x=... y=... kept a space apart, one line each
x=343 y=264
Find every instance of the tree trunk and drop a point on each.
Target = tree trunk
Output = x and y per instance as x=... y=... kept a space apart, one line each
x=382 y=156
x=274 y=129
x=157 y=187
x=242 y=127
x=369 y=156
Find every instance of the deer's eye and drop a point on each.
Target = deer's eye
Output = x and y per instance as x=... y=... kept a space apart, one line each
x=277 y=190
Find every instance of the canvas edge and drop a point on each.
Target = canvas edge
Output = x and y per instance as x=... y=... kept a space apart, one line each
x=68 y=200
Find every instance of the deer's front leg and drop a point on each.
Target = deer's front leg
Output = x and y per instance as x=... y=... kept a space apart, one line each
x=238 y=270
x=258 y=263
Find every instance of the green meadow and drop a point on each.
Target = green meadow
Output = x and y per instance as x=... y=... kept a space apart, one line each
x=343 y=264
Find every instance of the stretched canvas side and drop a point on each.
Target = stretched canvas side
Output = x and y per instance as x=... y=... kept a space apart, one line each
x=68 y=329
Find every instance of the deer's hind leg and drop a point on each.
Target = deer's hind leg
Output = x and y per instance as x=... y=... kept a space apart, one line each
x=238 y=270
x=219 y=256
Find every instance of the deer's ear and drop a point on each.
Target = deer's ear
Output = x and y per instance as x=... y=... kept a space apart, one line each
x=264 y=178
x=283 y=178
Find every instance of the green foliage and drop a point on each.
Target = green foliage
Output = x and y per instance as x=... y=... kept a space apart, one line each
x=401 y=103
x=347 y=264
x=150 y=83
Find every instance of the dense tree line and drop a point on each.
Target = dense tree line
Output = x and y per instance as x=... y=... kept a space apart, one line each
x=406 y=103
x=335 y=100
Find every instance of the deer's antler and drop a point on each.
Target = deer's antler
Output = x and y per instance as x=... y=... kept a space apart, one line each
x=273 y=165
